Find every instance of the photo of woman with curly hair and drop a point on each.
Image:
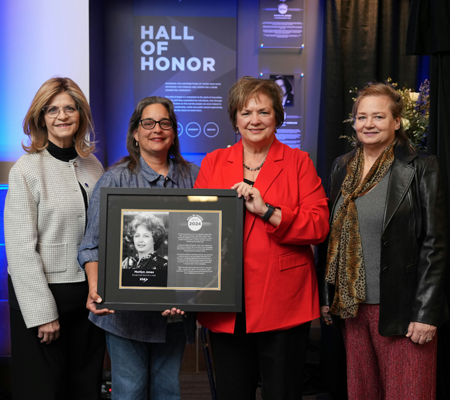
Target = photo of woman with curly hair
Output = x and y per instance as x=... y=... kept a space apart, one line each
x=144 y=236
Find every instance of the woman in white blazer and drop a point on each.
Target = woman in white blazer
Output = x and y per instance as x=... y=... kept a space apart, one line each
x=54 y=345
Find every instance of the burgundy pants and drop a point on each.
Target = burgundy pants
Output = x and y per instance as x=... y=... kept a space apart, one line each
x=386 y=368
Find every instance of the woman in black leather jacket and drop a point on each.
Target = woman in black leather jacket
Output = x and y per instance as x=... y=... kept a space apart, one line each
x=382 y=266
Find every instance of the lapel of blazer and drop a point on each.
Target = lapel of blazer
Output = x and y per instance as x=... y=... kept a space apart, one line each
x=233 y=171
x=402 y=174
x=272 y=168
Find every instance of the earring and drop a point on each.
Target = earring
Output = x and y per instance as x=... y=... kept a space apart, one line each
x=237 y=131
x=137 y=143
x=173 y=143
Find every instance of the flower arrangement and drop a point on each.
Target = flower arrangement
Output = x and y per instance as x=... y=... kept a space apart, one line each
x=415 y=117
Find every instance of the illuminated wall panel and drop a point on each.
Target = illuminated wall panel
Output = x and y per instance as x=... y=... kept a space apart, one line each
x=5 y=346
x=39 y=39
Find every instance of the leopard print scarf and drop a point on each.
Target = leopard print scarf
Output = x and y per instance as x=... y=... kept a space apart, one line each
x=345 y=260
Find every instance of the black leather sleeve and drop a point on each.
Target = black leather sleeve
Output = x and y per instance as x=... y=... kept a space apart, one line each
x=429 y=297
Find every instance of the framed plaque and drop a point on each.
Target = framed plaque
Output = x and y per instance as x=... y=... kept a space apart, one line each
x=281 y=24
x=164 y=248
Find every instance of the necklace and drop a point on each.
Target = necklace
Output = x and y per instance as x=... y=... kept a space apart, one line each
x=254 y=169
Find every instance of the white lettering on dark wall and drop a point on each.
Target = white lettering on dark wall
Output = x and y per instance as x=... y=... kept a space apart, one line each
x=148 y=47
x=180 y=64
x=159 y=43
x=162 y=33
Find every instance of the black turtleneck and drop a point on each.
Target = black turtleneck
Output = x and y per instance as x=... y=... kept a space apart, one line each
x=65 y=154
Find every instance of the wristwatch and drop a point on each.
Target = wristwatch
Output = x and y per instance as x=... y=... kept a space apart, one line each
x=268 y=213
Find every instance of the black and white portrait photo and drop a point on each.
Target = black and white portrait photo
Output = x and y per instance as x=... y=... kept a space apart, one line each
x=144 y=248
x=286 y=83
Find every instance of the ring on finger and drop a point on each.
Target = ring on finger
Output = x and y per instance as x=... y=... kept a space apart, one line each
x=429 y=339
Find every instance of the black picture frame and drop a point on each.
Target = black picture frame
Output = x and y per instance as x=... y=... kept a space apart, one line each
x=203 y=266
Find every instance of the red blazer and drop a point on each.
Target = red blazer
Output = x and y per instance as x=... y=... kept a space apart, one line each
x=279 y=275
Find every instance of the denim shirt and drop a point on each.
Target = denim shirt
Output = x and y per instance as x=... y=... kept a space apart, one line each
x=145 y=326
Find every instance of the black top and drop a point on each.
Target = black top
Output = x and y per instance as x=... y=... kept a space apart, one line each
x=61 y=154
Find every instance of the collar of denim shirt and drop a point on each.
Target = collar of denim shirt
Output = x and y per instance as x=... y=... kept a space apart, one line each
x=153 y=176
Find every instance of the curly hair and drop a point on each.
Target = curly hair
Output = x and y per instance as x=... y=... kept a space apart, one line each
x=153 y=224
x=248 y=87
x=34 y=123
x=396 y=106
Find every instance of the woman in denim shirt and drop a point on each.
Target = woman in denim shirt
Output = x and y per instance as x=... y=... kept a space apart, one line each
x=146 y=348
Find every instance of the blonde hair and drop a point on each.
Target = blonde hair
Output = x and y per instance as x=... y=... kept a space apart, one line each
x=34 y=122
x=396 y=106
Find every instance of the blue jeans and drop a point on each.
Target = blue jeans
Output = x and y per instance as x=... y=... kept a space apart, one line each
x=144 y=371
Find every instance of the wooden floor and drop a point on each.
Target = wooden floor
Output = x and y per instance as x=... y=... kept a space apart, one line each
x=195 y=386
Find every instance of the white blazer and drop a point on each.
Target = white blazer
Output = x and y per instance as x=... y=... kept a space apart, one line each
x=45 y=220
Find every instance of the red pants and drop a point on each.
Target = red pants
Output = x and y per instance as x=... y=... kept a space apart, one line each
x=388 y=368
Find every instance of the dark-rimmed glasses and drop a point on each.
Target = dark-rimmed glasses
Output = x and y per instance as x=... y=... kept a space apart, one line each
x=53 y=111
x=149 y=123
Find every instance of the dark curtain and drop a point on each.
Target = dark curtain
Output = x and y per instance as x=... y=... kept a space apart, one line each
x=364 y=40
x=429 y=33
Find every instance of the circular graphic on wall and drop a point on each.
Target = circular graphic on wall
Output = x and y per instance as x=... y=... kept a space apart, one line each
x=211 y=129
x=193 y=129
x=282 y=8
x=180 y=129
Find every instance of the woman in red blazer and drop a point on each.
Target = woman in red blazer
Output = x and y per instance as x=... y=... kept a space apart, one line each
x=286 y=212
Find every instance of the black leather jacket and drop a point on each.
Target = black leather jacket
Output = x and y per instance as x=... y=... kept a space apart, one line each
x=413 y=242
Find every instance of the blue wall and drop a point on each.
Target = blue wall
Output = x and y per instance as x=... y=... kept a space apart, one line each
x=5 y=348
x=28 y=60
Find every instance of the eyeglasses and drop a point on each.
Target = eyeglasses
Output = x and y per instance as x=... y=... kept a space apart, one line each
x=53 y=111
x=149 y=123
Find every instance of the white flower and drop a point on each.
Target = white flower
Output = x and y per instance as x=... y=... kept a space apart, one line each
x=406 y=124
x=414 y=96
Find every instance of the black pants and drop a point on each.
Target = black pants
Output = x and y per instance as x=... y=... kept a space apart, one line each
x=278 y=356
x=68 y=368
